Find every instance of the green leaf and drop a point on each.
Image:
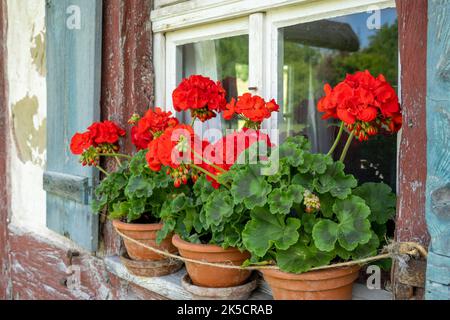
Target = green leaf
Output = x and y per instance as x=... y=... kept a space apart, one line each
x=139 y=187
x=168 y=227
x=367 y=250
x=218 y=207
x=326 y=205
x=325 y=235
x=335 y=181
x=380 y=199
x=301 y=258
x=304 y=179
x=136 y=209
x=300 y=141
x=202 y=189
x=119 y=210
x=282 y=199
x=250 y=188
x=179 y=203
x=315 y=163
x=354 y=227
x=265 y=230
x=308 y=222
x=292 y=153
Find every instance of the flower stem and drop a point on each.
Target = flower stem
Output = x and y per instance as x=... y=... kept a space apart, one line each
x=102 y=170
x=118 y=161
x=209 y=174
x=347 y=146
x=193 y=121
x=207 y=161
x=115 y=155
x=338 y=138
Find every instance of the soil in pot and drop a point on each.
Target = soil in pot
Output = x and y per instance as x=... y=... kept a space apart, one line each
x=328 y=284
x=212 y=277
x=146 y=234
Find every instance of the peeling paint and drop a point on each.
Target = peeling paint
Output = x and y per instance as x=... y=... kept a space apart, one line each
x=38 y=54
x=29 y=138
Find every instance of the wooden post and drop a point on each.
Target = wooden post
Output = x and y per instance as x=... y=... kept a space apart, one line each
x=410 y=221
x=438 y=150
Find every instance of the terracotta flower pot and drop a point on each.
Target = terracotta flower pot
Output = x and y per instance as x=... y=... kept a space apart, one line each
x=146 y=234
x=329 y=284
x=212 y=277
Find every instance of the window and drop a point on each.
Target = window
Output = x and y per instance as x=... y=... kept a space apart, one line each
x=288 y=53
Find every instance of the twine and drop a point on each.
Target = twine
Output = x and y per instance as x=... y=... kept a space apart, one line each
x=394 y=250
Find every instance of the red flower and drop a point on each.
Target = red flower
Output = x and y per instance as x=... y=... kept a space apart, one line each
x=80 y=142
x=225 y=152
x=106 y=132
x=153 y=123
x=254 y=108
x=201 y=95
x=364 y=103
x=167 y=150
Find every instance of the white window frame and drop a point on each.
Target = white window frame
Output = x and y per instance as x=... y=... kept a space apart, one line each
x=183 y=23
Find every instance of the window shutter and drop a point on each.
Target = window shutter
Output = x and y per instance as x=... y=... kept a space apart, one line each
x=74 y=30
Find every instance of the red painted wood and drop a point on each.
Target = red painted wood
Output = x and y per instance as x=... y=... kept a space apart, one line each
x=410 y=224
x=4 y=174
x=127 y=75
x=410 y=221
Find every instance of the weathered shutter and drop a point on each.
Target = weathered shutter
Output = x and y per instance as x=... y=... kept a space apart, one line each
x=74 y=33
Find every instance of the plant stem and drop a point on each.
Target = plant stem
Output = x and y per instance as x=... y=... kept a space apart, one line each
x=347 y=146
x=115 y=155
x=209 y=174
x=338 y=138
x=208 y=162
x=193 y=121
x=102 y=170
x=118 y=161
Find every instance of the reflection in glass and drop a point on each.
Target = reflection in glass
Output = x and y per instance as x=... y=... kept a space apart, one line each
x=225 y=60
x=319 y=52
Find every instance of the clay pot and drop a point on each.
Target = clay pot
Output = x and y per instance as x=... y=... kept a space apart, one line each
x=146 y=234
x=328 y=284
x=155 y=268
x=212 y=277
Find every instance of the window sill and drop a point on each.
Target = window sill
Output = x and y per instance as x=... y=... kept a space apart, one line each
x=170 y=286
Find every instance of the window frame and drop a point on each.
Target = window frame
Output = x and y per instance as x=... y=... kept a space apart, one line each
x=262 y=28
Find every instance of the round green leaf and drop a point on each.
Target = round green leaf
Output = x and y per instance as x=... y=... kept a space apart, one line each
x=325 y=235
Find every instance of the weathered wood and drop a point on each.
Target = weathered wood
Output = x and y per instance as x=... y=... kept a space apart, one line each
x=438 y=151
x=67 y=186
x=412 y=172
x=127 y=75
x=413 y=275
x=4 y=156
x=73 y=94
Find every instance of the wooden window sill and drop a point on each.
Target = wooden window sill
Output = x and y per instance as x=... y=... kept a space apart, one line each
x=170 y=286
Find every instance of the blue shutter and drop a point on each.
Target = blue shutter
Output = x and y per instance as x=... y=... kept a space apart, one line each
x=73 y=93
x=438 y=150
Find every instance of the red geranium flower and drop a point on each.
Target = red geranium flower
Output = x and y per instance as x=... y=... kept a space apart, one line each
x=225 y=152
x=201 y=95
x=364 y=103
x=152 y=124
x=106 y=132
x=80 y=142
x=168 y=149
x=253 y=108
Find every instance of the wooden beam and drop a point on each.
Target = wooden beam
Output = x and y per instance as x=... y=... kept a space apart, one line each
x=410 y=221
x=438 y=150
x=127 y=74
x=4 y=156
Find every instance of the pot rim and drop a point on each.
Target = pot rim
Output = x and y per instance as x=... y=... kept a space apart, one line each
x=315 y=275
x=137 y=226
x=195 y=247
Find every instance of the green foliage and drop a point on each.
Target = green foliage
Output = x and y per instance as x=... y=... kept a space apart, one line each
x=347 y=225
x=133 y=192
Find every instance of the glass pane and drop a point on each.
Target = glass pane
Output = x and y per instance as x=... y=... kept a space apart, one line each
x=223 y=59
x=319 y=52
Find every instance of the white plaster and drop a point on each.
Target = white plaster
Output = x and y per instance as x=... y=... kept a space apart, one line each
x=26 y=19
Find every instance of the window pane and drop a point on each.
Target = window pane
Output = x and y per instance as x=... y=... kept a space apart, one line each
x=319 y=52
x=225 y=60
